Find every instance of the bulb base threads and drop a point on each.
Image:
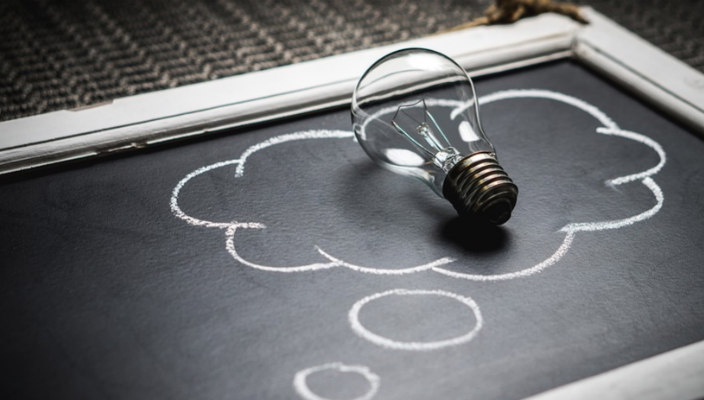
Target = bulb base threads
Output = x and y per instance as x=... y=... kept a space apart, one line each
x=479 y=188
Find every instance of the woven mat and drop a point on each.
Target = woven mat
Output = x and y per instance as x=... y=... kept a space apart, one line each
x=63 y=54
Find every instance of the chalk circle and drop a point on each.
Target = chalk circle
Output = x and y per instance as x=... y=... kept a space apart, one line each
x=382 y=341
x=300 y=381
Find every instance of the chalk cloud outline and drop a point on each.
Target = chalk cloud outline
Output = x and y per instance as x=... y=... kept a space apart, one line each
x=570 y=230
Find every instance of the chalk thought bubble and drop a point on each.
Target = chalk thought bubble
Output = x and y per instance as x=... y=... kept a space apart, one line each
x=313 y=213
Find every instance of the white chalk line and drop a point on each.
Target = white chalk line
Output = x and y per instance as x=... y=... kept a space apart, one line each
x=644 y=140
x=300 y=380
x=570 y=231
x=541 y=94
x=554 y=258
x=387 y=271
x=289 y=137
x=620 y=223
x=239 y=171
x=230 y=246
x=363 y=332
x=176 y=209
x=609 y=128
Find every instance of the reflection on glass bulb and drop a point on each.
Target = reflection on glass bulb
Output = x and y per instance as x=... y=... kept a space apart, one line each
x=402 y=120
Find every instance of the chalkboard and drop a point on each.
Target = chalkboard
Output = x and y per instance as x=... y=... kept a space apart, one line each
x=279 y=262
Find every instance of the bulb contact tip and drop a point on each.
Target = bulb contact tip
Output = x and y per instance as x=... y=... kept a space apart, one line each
x=479 y=188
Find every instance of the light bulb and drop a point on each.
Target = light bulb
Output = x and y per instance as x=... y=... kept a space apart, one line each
x=401 y=115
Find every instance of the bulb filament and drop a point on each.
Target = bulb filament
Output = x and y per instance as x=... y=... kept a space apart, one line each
x=439 y=148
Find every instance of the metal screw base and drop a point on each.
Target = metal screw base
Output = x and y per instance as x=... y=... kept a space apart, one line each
x=478 y=187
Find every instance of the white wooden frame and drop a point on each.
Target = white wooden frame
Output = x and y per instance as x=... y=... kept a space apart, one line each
x=209 y=107
x=214 y=106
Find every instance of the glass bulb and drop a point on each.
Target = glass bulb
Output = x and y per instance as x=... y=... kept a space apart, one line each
x=402 y=117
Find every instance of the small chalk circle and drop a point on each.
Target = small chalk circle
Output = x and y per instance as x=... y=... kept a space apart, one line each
x=300 y=380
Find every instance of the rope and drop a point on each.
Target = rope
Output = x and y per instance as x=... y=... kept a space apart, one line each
x=509 y=11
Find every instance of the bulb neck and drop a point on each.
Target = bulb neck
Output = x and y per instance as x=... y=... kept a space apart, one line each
x=479 y=188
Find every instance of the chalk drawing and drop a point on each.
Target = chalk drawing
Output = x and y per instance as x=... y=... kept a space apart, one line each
x=388 y=343
x=389 y=271
x=230 y=245
x=239 y=171
x=327 y=261
x=300 y=380
x=555 y=257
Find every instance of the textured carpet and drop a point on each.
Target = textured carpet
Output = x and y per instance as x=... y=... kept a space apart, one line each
x=64 y=54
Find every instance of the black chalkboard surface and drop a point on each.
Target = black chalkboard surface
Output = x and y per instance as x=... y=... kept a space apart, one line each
x=280 y=263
